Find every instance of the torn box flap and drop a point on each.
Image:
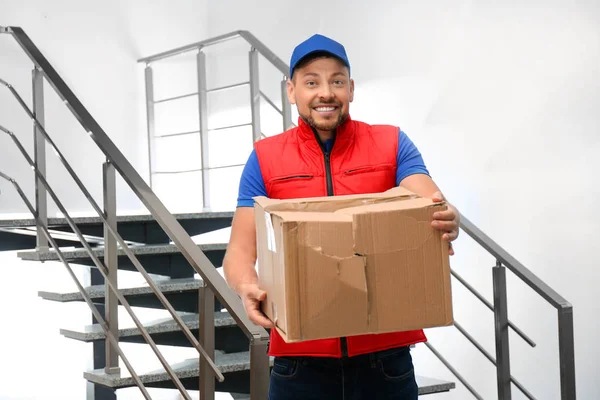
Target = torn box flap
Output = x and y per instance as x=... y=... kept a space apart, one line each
x=389 y=229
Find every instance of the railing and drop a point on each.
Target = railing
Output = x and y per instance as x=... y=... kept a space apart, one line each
x=257 y=47
x=215 y=285
x=502 y=323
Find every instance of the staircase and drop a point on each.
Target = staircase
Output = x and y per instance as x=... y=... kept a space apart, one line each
x=184 y=277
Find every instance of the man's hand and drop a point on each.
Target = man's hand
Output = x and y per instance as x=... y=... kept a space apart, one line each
x=446 y=221
x=251 y=297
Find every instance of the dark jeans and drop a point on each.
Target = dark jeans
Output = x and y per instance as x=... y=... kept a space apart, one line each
x=385 y=375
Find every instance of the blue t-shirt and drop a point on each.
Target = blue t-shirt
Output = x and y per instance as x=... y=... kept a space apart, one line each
x=409 y=162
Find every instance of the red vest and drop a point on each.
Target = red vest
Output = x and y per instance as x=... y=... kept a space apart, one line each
x=363 y=160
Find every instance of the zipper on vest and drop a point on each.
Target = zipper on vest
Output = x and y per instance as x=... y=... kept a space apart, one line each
x=327 y=156
x=328 y=173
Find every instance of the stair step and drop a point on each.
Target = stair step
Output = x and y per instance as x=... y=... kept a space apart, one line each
x=98 y=292
x=162 y=259
x=135 y=228
x=76 y=254
x=166 y=325
x=23 y=222
x=182 y=293
x=227 y=363
x=432 y=385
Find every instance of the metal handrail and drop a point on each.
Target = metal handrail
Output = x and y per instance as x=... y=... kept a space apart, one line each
x=197 y=259
x=86 y=297
x=487 y=355
x=566 y=340
x=549 y=294
x=103 y=270
x=489 y=305
x=187 y=332
x=250 y=38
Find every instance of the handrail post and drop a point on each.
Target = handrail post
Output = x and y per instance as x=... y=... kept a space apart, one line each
x=501 y=326
x=203 y=120
x=286 y=107
x=254 y=94
x=39 y=144
x=111 y=263
x=150 y=121
x=206 y=309
x=566 y=347
x=259 y=369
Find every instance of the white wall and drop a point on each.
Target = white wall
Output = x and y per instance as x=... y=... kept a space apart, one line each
x=502 y=100
x=95 y=48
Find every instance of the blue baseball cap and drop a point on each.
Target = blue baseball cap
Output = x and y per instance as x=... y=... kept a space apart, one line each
x=318 y=43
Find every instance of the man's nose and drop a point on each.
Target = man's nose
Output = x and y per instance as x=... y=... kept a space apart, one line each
x=326 y=93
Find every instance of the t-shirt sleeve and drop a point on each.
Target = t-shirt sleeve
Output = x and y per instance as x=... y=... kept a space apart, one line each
x=409 y=159
x=251 y=182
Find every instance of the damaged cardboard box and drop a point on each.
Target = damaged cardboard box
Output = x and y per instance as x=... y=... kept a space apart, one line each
x=349 y=265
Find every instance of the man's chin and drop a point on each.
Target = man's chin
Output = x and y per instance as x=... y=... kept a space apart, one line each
x=324 y=125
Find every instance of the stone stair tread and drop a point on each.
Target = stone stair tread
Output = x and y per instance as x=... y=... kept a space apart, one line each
x=72 y=254
x=21 y=222
x=164 y=325
x=232 y=362
x=99 y=291
x=431 y=385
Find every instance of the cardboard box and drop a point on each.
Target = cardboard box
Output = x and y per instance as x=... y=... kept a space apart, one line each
x=348 y=265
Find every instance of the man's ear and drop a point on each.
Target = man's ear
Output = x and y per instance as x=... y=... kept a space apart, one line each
x=351 y=90
x=291 y=92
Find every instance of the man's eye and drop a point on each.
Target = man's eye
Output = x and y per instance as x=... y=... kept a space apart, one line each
x=339 y=83
x=311 y=83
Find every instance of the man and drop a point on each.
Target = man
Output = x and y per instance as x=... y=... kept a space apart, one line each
x=329 y=154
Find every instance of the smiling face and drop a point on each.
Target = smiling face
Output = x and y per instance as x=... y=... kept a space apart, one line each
x=322 y=91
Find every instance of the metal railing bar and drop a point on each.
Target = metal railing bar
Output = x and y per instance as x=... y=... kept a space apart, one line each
x=221 y=88
x=549 y=294
x=183 y=96
x=250 y=38
x=491 y=307
x=185 y=171
x=268 y=100
x=199 y=169
x=266 y=52
x=222 y=128
x=454 y=371
x=483 y=351
x=187 y=332
x=102 y=268
x=227 y=166
x=176 y=134
x=190 y=47
x=84 y=294
x=566 y=347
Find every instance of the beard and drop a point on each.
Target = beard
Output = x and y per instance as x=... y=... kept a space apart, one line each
x=324 y=125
